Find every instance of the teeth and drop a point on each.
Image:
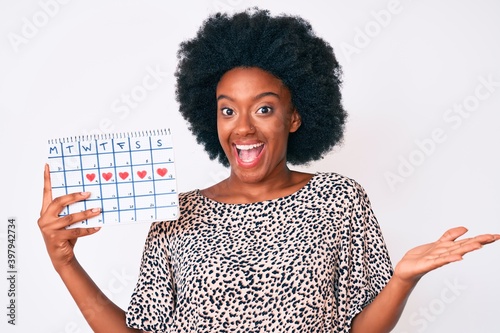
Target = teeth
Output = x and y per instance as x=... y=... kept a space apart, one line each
x=248 y=147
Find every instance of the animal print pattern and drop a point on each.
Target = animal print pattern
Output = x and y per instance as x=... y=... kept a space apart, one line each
x=306 y=262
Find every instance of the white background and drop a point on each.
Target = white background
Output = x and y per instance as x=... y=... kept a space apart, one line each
x=406 y=65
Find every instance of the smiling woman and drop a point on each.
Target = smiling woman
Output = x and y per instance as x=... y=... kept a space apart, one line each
x=284 y=46
x=268 y=249
x=254 y=119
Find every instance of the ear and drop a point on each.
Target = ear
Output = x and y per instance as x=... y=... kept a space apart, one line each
x=295 y=121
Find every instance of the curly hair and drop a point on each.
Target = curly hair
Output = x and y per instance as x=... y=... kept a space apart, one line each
x=284 y=46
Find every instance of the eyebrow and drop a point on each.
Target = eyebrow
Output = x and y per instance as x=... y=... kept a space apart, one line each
x=259 y=96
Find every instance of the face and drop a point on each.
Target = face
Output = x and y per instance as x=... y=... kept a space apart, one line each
x=255 y=115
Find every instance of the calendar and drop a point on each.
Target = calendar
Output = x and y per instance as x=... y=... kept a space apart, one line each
x=131 y=176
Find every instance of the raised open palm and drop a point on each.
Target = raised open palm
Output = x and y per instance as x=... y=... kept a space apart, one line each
x=425 y=258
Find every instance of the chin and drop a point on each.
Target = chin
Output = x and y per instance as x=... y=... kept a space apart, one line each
x=247 y=176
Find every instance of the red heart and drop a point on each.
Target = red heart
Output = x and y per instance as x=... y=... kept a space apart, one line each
x=107 y=176
x=161 y=171
x=141 y=174
x=123 y=175
x=90 y=176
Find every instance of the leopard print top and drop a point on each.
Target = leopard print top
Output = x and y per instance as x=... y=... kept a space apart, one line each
x=306 y=262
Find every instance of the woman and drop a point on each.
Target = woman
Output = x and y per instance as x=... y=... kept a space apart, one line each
x=268 y=248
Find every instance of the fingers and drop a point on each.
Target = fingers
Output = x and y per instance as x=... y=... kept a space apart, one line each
x=55 y=207
x=461 y=249
x=65 y=221
x=453 y=234
x=455 y=250
x=477 y=240
x=49 y=213
x=425 y=258
x=481 y=239
x=57 y=238
x=47 y=189
x=78 y=232
x=51 y=208
x=70 y=219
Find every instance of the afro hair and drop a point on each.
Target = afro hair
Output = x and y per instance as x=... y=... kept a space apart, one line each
x=284 y=46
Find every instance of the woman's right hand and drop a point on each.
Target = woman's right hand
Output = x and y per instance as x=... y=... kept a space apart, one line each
x=59 y=240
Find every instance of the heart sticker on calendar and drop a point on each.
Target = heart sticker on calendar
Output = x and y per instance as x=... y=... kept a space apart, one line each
x=90 y=176
x=142 y=174
x=162 y=171
x=107 y=175
x=123 y=175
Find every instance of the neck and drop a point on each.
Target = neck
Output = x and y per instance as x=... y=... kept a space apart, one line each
x=234 y=190
x=260 y=188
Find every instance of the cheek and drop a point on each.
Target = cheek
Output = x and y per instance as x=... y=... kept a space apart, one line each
x=279 y=128
x=222 y=133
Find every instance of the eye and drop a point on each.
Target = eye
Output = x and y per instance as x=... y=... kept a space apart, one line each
x=227 y=111
x=265 y=110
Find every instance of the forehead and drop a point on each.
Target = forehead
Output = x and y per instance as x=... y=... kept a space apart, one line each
x=249 y=79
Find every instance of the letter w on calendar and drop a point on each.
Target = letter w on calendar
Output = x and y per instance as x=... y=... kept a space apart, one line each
x=131 y=176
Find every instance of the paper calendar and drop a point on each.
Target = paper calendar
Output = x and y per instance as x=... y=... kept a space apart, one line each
x=131 y=176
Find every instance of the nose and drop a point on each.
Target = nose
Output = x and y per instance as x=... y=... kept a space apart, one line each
x=244 y=125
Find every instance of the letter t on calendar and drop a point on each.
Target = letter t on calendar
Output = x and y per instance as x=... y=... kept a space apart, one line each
x=131 y=176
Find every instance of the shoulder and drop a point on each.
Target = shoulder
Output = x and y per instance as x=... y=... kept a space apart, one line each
x=190 y=198
x=334 y=184
x=193 y=204
x=186 y=196
x=333 y=178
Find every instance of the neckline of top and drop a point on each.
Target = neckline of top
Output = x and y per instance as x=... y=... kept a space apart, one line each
x=303 y=188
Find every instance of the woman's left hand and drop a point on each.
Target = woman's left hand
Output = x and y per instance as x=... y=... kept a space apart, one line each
x=425 y=258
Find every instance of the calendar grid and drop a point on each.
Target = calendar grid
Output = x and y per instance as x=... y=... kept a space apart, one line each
x=66 y=210
x=100 y=184
x=81 y=175
x=153 y=163
x=114 y=167
x=131 y=176
x=133 y=189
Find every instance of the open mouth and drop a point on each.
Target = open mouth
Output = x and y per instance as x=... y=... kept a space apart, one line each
x=249 y=153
